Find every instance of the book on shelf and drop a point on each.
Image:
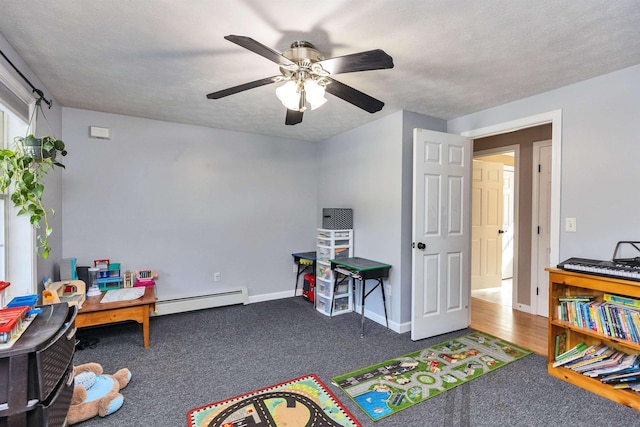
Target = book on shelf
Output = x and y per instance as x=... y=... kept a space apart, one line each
x=576 y=352
x=595 y=354
x=608 y=318
x=622 y=378
x=561 y=344
x=577 y=298
x=618 y=299
x=609 y=357
x=602 y=352
x=627 y=372
x=620 y=364
x=632 y=385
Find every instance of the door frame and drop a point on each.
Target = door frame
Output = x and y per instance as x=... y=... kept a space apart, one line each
x=516 y=209
x=555 y=118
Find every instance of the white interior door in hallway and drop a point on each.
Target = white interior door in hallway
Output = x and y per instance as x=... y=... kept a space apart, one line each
x=486 y=224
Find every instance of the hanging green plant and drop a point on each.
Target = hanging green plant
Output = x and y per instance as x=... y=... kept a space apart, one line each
x=23 y=167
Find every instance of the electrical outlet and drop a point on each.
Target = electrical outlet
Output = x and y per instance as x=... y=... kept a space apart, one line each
x=295 y=268
x=217 y=277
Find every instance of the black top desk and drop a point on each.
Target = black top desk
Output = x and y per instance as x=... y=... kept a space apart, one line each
x=304 y=260
x=361 y=269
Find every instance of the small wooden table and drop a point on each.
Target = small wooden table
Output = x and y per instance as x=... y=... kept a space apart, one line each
x=94 y=313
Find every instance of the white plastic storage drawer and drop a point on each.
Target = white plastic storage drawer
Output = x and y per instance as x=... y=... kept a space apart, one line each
x=323 y=254
x=323 y=271
x=323 y=288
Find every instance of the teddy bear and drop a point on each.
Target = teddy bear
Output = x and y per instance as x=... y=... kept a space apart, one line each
x=95 y=393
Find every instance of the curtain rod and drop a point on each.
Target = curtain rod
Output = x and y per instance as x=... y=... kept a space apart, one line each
x=36 y=90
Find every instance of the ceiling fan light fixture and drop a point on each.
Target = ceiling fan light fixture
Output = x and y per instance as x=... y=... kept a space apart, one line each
x=306 y=76
x=289 y=95
x=315 y=93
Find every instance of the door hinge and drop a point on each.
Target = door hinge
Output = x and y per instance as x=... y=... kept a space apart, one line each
x=538 y=229
x=537 y=289
x=539 y=168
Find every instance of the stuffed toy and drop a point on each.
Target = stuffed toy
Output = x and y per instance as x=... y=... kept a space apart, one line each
x=95 y=393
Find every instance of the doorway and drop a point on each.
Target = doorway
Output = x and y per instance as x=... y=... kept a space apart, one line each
x=493 y=225
x=523 y=295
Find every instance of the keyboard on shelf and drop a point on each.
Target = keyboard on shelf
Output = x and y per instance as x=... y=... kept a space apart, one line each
x=629 y=270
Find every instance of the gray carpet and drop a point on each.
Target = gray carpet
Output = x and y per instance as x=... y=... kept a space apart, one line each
x=205 y=356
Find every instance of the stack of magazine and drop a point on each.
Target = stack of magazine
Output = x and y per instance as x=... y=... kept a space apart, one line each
x=610 y=366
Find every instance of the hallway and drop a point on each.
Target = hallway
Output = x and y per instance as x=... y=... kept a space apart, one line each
x=520 y=328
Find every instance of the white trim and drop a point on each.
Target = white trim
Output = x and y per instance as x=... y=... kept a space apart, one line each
x=12 y=83
x=516 y=209
x=270 y=297
x=555 y=118
x=18 y=89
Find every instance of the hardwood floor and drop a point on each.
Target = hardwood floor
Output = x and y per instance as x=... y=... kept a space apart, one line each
x=520 y=328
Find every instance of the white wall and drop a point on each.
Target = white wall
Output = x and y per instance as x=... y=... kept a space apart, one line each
x=600 y=154
x=369 y=169
x=188 y=201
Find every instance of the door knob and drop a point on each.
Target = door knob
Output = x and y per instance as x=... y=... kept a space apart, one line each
x=421 y=245
x=502 y=231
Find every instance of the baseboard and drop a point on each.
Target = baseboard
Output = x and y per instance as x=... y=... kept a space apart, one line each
x=240 y=296
x=272 y=296
x=199 y=302
x=379 y=318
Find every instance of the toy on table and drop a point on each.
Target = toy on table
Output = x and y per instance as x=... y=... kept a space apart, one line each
x=96 y=393
x=11 y=322
x=94 y=289
x=127 y=279
x=16 y=317
x=70 y=291
x=145 y=277
x=3 y=288
x=108 y=274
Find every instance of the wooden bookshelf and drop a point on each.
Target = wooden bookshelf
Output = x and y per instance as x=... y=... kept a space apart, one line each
x=566 y=283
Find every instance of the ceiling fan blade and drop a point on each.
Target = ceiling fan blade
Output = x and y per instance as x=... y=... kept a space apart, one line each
x=293 y=117
x=353 y=96
x=262 y=50
x=240 y=88
x=363 y=61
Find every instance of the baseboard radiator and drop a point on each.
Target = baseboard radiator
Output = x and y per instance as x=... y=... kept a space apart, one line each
x=217 y=299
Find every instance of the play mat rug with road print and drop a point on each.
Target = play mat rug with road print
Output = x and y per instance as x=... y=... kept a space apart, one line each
x=303 y=401
x=388 y=387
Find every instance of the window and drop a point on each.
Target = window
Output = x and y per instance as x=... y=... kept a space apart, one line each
x=17 y=236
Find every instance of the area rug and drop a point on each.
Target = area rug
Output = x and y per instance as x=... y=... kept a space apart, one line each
x=385 y=388
x=303 y=401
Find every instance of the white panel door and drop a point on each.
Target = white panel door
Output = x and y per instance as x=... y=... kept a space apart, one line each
x=441 y=233
x=486 y=224
x=541 y=217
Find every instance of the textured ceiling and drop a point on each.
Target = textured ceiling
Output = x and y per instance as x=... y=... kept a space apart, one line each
x=159 y=58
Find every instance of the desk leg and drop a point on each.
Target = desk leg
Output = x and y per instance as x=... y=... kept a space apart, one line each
x=384 y=302
x=145 y=324
x=362 y=285
x=333 y=294
x=295 y=291
x=379 y=282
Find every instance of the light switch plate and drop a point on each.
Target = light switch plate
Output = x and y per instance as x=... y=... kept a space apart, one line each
x=570 y=225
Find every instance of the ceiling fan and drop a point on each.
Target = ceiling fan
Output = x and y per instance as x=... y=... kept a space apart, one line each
x=307 y=75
